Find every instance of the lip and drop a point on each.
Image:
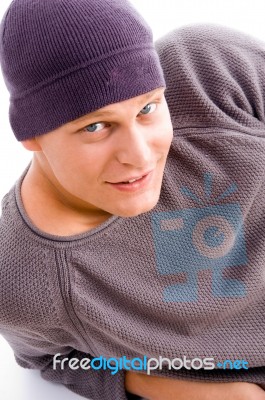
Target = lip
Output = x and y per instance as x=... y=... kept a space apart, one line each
x=134 y=186
x=132 y=177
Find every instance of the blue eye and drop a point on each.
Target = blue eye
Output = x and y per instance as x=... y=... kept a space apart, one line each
x=148 y=109
x=98 y=126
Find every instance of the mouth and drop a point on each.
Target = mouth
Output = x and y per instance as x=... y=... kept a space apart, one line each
x=131 y=179
x=133 y=183
x=125 y=182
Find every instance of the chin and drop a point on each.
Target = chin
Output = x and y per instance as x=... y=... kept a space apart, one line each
x=135 y=210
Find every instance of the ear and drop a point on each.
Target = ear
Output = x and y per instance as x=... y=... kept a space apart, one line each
x=31 y=144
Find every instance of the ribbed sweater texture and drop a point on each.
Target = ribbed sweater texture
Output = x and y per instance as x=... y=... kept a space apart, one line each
x=186 y=278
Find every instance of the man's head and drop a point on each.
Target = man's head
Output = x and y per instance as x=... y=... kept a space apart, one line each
x=89 y=161
x=62 y=59
x=86 y=94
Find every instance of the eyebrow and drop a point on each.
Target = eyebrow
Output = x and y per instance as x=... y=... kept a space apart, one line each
x=102 y=114
x=91 y=115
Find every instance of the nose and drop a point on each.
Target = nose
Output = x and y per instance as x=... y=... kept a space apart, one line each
x=134 y=146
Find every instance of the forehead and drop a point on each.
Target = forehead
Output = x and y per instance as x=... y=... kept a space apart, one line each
x=112 y=109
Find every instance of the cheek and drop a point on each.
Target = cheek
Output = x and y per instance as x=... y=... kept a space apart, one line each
x=165 y=126
x=72 y=165
x=165 y=134
x=85 y=168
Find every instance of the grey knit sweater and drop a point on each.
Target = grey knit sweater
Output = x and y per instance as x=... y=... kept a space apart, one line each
x=187 y=278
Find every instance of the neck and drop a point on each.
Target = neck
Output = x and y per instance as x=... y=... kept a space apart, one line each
x=54 y=211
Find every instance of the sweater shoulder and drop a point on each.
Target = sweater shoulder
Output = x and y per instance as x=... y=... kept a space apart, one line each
x=27 y=298
x=13 y=230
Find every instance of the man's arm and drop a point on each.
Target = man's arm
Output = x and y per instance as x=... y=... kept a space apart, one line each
x=160 y=388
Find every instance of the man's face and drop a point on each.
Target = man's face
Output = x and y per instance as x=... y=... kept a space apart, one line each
x=112 y=159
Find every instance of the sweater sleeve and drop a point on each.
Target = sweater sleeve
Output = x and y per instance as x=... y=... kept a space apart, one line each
x=215 y=78
x=90 y=384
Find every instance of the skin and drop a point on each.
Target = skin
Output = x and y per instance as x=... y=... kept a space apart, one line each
x=157 y=388
x=73 y=168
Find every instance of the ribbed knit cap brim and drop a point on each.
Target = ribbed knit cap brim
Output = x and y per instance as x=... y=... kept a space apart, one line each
x=62 y=59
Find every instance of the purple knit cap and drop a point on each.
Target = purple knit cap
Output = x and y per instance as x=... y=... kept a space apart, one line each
x=62 y=59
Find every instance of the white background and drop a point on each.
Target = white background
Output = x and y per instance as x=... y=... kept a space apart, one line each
x=163 y=16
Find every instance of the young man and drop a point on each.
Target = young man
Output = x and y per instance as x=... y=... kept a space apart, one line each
x=99 y=255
